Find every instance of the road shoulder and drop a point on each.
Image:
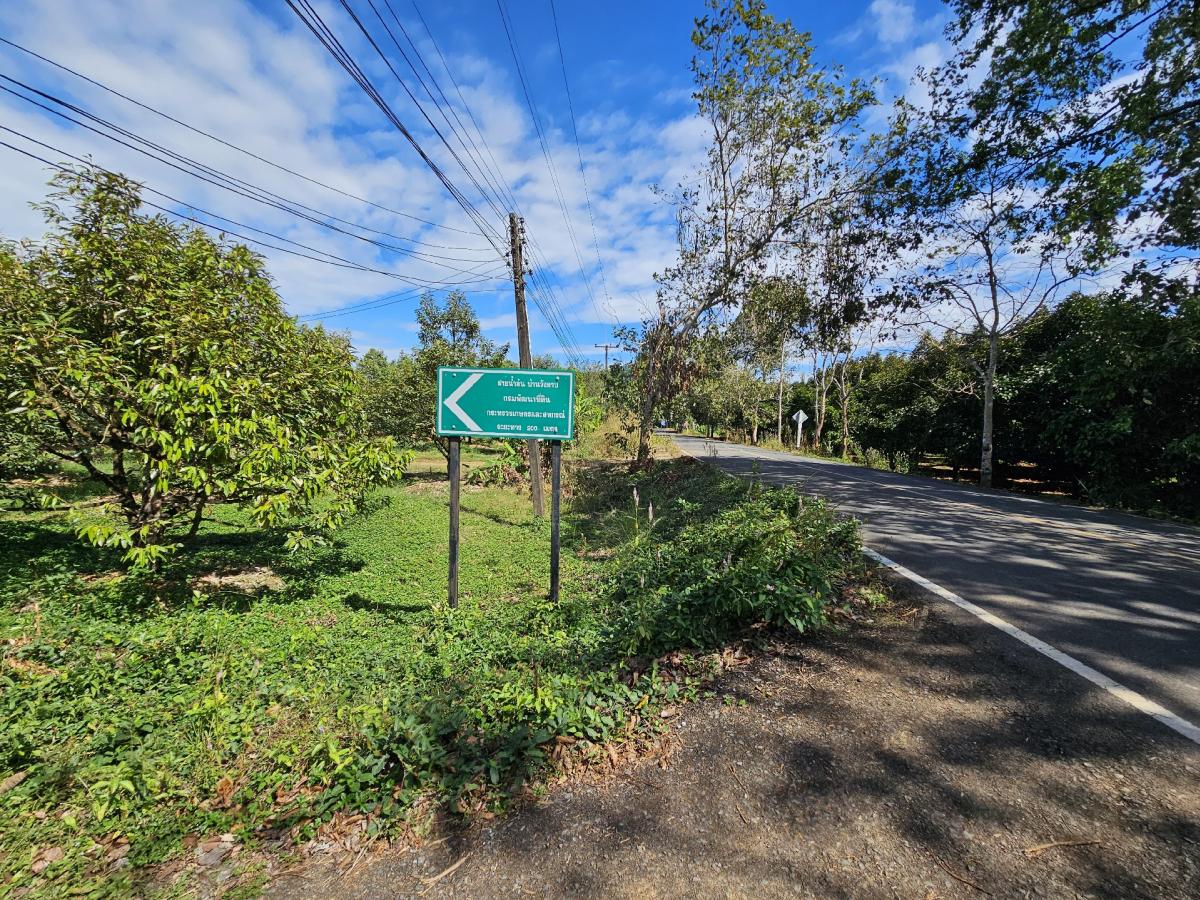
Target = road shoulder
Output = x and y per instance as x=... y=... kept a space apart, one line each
x=922 y=755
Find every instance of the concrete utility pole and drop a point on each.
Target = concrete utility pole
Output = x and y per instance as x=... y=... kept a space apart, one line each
x=526 y=357
x=606 y=348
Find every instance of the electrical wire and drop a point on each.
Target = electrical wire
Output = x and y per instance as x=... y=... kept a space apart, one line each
x=587 y=194
x=215 y=176
x=242 y=150
x=324 y=34
x=543 y=143
x=324 y=257
x=313 y=21
x=366 y=306
x=544 y=297
x=550 y=304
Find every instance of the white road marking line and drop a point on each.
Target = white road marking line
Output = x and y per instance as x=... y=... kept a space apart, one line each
x=1133 y=698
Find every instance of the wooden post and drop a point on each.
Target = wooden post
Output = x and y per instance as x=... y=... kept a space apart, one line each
x=606 y=348
x=525 y=354
x=555 y=494
x=453 y=465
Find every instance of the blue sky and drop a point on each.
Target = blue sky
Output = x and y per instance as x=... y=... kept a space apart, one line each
x=252 y=75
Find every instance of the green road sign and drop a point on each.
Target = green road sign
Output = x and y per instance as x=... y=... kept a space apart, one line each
x=510 y=403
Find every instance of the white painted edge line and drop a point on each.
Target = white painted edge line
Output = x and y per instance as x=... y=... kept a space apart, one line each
x=1133 y=698
x=1128 y=695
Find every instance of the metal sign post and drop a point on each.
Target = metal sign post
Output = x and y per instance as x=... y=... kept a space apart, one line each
x=453 y=464
x=527 y=404
x=555 y=493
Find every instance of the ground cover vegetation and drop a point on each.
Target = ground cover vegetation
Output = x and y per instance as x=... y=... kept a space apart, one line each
x=201 y=684
x=243 y=689
x=1002 y=283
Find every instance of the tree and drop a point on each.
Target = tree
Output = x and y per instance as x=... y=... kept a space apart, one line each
x=744 y=398
x=988 y=264
x=783 y=131
x=664 y=365
x=382 y=383
x=1107 y=386
x=1099 y=102
x=1058 y=126
x=703 y=398
x=776 y=315
x=891 y=413
x=402 y=395
x=162 y=362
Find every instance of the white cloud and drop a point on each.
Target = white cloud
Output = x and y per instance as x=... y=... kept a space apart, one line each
x=261 y=81
x=905 y=67
x=892 y=20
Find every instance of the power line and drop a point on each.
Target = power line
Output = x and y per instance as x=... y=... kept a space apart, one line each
x=475 y=157
x=242 y=150
x=587 y=194
x=412 y=97
x=367 y=306
x=308 y=15
x=494 y=180
x=467 y=107
x=450 y=127
x=324 y=257
x=313 y=21
x=248 y=190
x=218 y=178
x=554 y=179
x=547 y=302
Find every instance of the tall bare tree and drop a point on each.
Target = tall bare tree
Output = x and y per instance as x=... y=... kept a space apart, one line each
x=986 y=270
x=783 y=133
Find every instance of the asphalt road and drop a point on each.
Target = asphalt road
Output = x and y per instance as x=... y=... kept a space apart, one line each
x=1118 y=592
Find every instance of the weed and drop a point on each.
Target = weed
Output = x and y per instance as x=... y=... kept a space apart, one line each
x=246 y=690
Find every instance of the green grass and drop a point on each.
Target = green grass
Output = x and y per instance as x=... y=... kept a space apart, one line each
x=140 y=708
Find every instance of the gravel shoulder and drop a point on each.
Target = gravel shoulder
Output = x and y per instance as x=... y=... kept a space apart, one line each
x=920 y=755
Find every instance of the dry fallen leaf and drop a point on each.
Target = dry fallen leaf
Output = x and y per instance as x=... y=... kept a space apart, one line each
x=12 y=781
x=225 y=789
x=44 y=858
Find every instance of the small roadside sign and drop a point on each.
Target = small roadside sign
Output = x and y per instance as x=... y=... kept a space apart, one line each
x=506 y=403
x=800 y=417
x=531 y=404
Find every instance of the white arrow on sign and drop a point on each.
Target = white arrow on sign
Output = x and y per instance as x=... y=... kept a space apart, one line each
x=452 y=401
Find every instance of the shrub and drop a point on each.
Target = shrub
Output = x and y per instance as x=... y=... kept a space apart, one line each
x=163 y=363
x=774 y=556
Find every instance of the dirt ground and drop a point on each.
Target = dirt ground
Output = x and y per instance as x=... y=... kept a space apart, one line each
x=921 y=756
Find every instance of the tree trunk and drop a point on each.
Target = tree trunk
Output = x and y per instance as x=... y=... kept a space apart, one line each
x=779 y=399
x=196 y=519
x=845 y=426
x=819 y=402
x=646 y=425
x=989 y=402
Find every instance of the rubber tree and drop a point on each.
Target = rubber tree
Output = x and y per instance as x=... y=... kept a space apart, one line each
x=783 y=131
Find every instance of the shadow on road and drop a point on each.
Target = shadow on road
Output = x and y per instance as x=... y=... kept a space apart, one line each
x=870 y=764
